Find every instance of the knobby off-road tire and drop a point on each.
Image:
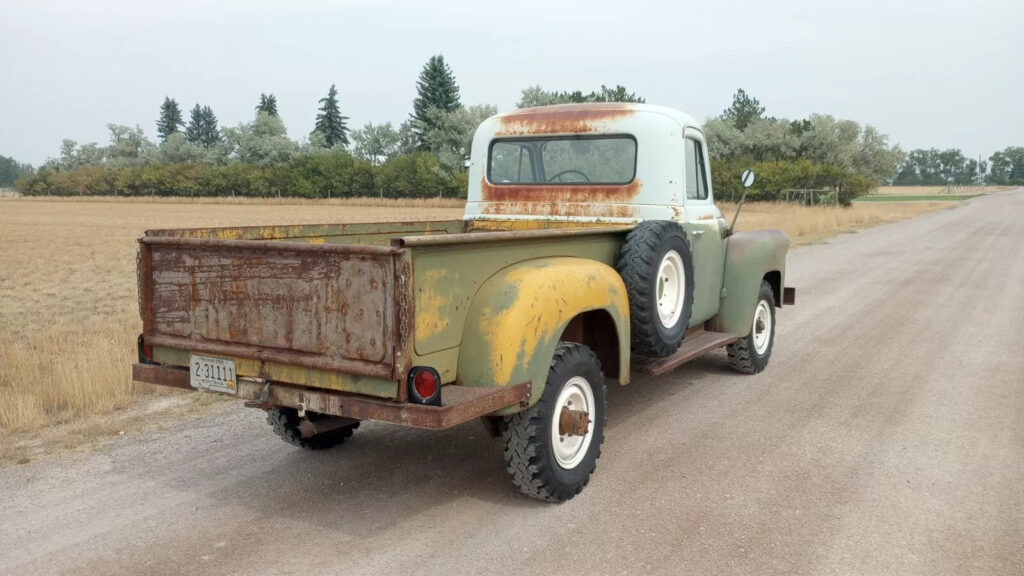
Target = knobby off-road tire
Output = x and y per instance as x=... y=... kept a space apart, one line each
x=657 y=268
x=750 y=354
x=285 y=422
x=544 y=463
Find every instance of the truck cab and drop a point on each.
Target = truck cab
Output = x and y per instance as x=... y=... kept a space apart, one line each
x=605 y=162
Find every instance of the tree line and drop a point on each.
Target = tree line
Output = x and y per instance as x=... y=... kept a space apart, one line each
x=11 y=170
x=426 y=154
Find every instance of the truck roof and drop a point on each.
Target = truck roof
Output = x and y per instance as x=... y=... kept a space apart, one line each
x=656 y=190
x=592 y=117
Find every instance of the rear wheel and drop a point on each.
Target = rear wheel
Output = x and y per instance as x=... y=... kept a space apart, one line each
x=751 y=353
x=551 y=448
x=290 y=427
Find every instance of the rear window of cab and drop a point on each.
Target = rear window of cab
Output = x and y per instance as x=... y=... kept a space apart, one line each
x=565 y=160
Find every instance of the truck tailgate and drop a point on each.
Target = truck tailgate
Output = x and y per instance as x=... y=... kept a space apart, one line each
x=323 y=306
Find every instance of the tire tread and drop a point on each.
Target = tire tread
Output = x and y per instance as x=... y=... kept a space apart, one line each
x=526 y=437
x=285 y=423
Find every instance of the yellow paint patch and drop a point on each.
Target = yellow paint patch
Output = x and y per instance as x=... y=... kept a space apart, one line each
x=546 y=298
x=432 y=303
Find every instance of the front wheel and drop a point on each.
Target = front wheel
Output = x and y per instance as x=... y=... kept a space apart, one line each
x=551 y=448
x=751 y=353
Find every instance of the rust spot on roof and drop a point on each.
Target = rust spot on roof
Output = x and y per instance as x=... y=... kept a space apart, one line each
x=582 y=193
x=562 y=118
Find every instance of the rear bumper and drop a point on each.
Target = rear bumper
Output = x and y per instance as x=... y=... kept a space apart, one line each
x=460 y=403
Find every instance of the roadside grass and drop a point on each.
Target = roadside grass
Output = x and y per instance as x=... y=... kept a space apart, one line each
x=69 y=310
x=810 y=224
x=915 y=198
x=937 y=190
x=68 y=303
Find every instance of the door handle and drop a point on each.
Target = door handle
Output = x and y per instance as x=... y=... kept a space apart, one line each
x=697 y=233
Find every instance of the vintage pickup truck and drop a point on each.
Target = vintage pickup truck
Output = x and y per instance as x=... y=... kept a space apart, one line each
x=591 y=248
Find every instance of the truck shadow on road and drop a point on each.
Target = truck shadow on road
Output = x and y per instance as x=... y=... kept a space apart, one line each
x=385 y=475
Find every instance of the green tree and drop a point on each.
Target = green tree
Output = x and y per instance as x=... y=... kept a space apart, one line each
x=263 y=142
x=127 y=145
x=1006 y=167
x=267 y=104
x=179 y=149
x=435 y=88
x=537 y=96
x=170 y=118
x=820 y=138
x=202 y=127
x=451 y=134
x=934 y=167
x=11 y=170
x=330 y=124
x=744 y=110
x=378 y=144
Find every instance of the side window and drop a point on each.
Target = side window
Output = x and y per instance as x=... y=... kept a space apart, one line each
x=696 y=179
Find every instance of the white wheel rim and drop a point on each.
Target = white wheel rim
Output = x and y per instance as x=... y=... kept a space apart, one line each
x=671 y=289
x=762 y=327
x=569 y=449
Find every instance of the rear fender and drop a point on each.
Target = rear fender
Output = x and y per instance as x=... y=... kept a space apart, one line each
x=519 y=315
x=750 y=258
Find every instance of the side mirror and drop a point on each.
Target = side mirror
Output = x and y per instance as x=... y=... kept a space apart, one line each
x=747 y=178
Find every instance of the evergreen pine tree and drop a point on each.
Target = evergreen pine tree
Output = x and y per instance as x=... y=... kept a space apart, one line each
x=195 y=124
x=170 y=119
x=744 y=110
x=435 y=88
x=268 y=104
x=329 y=122
x=202 y=127
x=211 y=131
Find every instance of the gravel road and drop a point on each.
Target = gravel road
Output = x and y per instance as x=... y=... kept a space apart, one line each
x=885 y=437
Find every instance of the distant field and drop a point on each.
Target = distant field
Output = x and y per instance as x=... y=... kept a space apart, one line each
x=915 y=198
x=68 y=304
x=934 y=190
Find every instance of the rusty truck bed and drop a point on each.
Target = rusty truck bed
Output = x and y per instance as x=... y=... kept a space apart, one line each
x=321 y=315
x=288 y=302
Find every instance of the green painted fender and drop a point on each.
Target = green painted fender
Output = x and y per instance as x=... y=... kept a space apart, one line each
x=749 y=258
x=518 y=315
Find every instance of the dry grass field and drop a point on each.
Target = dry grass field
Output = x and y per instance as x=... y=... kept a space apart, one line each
x=934 y=190
x=68 y=305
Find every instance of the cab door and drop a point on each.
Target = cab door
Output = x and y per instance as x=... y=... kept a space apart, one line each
x=704 y=225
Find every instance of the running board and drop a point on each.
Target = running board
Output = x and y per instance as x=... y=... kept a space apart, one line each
x=695 y=343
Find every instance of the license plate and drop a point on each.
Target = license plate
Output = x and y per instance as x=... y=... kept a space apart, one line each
x=213 y=374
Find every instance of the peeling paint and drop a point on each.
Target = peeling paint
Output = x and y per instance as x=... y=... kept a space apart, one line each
x=520 y=314
x=562 y=119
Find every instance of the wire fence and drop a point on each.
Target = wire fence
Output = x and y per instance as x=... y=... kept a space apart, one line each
x=813 y=196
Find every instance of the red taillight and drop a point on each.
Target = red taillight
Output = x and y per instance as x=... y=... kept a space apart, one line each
x=425 y=386
x=145 y=351
x=425 y=383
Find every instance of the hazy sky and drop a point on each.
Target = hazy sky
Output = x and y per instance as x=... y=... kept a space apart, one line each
x=930 y=73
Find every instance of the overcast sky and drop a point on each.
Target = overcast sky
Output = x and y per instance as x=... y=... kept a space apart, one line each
x=930 y=73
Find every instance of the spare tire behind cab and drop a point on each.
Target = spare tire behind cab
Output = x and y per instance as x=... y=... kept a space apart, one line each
x=657 y=268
